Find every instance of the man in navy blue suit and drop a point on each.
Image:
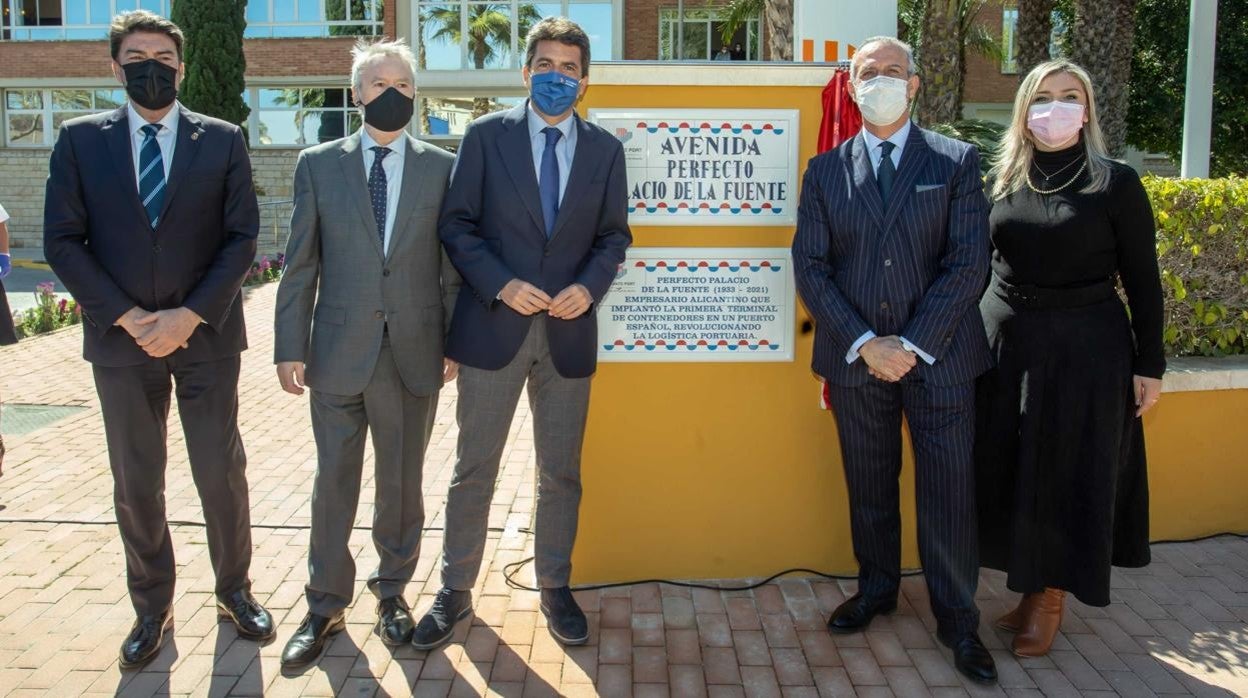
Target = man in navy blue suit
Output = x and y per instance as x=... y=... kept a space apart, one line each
x=536 y=222
x=890 y=255
x=150 y=220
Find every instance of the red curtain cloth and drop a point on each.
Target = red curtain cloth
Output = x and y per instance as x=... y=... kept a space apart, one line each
x=841 y=118
x=841 y=121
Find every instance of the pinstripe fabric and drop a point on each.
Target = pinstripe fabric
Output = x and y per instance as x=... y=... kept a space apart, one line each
x=913 y=267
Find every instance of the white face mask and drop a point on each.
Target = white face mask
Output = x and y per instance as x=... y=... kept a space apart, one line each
x=882 y=100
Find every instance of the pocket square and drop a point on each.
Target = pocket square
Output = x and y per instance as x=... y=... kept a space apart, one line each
x=919 y=188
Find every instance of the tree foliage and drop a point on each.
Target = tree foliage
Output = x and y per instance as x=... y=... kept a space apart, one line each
x=1159 y=79
x=214 y=57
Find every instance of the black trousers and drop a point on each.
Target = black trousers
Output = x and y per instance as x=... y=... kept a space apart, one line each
x=942 y=430
x=135 y=403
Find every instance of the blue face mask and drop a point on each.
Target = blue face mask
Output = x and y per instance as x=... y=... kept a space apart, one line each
x=553 y=93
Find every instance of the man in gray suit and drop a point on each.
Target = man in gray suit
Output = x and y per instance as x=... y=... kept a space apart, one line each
x=361 y=315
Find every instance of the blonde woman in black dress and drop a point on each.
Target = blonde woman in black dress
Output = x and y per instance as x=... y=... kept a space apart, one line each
x=1062 y=488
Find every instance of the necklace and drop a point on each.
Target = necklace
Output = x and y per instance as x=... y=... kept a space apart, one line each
x=1054 y=191
x=1047 y=176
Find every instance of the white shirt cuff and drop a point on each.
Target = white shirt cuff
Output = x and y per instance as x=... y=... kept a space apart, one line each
x=908 y=346
x=852 y=356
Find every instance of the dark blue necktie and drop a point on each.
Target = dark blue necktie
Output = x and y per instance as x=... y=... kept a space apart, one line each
x=151 y=174
x=548 y=184
x=887 y=172
x=377 y=190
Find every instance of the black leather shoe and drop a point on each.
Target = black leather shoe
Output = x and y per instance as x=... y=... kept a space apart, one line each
x=855 y=614
x=449 y=607
x=248 y=616
x=144 y=641
x=564 y=617
x=306 y=644
x=394 y=621
x=971 y=657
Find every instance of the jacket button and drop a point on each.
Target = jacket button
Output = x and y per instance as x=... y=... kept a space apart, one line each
x=385 y=272
x=379 y=315
x=155 y=248
x=884 y=305
x=888 y=262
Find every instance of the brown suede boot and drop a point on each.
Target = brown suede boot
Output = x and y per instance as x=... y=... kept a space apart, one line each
x=1013 y=621
x=1043 y=622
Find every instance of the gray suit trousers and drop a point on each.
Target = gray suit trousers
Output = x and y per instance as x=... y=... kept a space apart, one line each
x=401 y=424
x=487 y=403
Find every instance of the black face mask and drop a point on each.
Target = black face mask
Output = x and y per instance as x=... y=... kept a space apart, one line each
x=389 y=111
x=151 y=84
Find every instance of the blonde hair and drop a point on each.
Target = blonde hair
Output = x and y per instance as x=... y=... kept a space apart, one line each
x=365 y=52
x=1009 y=171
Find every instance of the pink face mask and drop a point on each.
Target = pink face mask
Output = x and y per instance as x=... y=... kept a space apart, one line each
x=1055 y=123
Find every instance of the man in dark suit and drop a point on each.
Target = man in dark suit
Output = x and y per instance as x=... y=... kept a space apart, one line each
x=536 y=222
x=890 y=255
x=364 y=304
x=150 y=220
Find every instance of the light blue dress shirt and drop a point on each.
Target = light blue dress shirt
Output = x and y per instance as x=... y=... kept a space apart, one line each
x=565 y=149
x=876 y=153
x=393 y=167
x=166 y=137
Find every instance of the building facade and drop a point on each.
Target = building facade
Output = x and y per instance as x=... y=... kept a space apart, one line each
x=54 y=66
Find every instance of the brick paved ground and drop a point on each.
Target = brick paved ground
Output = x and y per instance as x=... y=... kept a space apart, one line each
x=1177 y=627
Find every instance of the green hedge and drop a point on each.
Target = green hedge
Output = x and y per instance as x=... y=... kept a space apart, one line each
x=1202 y=246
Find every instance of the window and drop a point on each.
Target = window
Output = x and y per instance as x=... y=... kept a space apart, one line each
x=1009 y=38
x=300 y=116
x=270 y=18
x=449 y=116
x=34 y=20
x=496 y=30
x=703 y=36
x=33 y=117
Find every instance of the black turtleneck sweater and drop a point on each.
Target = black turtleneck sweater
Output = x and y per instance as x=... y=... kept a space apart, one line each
x=1070 y=239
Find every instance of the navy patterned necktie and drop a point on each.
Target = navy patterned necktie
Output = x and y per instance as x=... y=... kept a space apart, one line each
x=151 y=174
x=887 y=172
x=377 y=190
x=548 y=185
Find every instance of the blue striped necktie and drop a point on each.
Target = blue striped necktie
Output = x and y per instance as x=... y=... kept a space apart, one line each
x=151 y=174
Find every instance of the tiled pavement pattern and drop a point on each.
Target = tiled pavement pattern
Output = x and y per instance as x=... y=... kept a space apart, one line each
x=1178 y=627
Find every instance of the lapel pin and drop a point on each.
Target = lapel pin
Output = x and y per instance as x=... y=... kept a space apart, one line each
x=195 y=136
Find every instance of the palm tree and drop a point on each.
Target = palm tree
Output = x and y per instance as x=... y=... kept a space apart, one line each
x=1033 y=32
x=777 y=17
x=488 y=34
x=943 y=33
x=1101 y=42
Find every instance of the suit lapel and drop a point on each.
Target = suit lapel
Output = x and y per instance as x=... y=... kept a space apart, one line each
x=352 y=163
x=864 y=178
x=190 y=130
x=409 y=193
x=584 y=161
x=913 y=161
x=516 y=150
x=121 y=151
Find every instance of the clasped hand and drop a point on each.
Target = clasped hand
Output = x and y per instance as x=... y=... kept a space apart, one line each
x=527 y=299
x=160 y=333
x=887 y=359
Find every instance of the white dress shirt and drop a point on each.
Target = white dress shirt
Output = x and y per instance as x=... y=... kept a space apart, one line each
x=565 y=149
x=166 y=137
x=393 y=167
x=876 y=153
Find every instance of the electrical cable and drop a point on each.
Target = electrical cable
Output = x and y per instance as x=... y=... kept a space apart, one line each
x=510 y=570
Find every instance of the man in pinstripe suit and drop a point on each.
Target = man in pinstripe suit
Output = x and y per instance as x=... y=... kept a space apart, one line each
x=891 y=253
